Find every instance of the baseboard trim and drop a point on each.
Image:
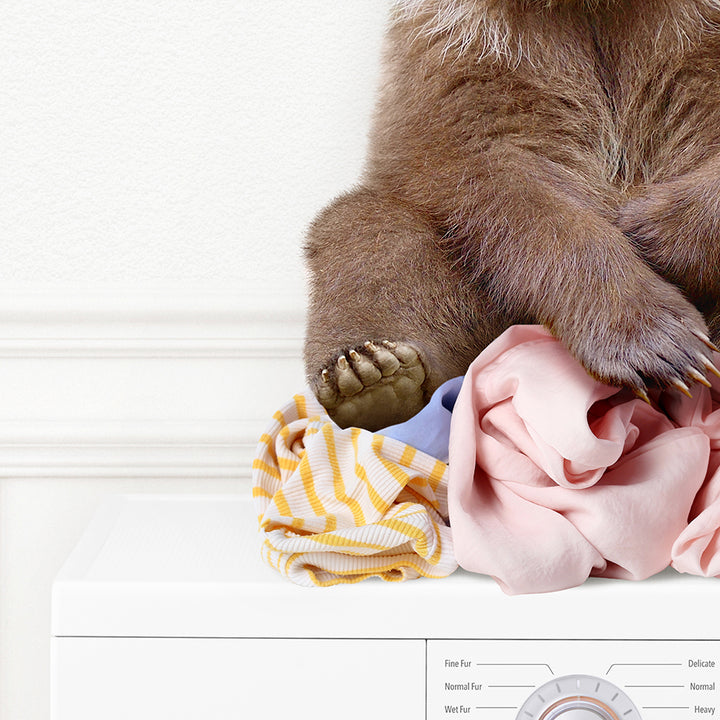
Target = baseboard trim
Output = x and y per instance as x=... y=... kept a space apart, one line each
x=137 y=383
x=112 y=449
x=163 y=322
x=143 y=347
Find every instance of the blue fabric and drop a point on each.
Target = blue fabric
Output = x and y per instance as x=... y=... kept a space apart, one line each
x=429 y=430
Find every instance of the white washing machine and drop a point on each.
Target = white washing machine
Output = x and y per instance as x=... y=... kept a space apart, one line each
x=164 y=610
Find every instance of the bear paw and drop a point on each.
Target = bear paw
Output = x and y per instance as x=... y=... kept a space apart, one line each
x=373 y=385
x=657 y=339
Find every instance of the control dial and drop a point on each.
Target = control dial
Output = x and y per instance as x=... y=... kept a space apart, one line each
x=578 y=697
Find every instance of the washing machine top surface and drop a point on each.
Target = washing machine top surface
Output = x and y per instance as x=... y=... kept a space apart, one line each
x=189 y=566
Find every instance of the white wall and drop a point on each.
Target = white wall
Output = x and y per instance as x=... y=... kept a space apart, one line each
x=159 y=161
x=150 y=140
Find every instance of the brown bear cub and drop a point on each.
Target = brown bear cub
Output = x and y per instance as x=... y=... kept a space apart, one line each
x=531 y=161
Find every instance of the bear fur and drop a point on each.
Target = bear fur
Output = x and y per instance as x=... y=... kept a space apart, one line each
x=530 y=161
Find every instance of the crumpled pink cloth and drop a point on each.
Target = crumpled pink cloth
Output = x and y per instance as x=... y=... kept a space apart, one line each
x=697 y=549
x=555 y=477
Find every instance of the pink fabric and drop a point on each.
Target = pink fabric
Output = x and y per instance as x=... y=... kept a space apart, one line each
x=555 y=477
x=697 y=549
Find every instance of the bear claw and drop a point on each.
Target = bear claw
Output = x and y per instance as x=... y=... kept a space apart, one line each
x=706 y=340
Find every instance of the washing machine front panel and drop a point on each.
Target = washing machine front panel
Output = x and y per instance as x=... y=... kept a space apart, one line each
x=559 y=679
x=173 y=588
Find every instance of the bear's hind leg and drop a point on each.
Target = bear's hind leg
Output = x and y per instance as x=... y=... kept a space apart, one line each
x=390 y=315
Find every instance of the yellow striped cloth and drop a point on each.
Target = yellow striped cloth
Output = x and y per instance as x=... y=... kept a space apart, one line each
x=338 y=506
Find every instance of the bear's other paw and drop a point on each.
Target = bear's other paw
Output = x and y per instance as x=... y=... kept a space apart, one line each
x=658 y=340
x=373 y=385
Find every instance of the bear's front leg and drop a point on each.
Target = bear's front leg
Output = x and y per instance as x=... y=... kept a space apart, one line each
x=675 y=227
x=540 y=242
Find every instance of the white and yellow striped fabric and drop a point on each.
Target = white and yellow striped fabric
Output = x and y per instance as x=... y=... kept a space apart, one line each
x=338 y=506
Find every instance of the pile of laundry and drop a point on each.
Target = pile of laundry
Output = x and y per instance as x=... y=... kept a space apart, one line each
x=525 y=469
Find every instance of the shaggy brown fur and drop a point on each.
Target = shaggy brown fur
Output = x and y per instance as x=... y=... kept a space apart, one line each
x=551 y=161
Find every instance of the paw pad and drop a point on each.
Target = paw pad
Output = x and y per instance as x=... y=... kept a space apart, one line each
x=376 y=384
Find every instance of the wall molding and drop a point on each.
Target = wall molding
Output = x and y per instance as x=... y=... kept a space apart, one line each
x=134 y=347
x=111 y=449
x=128 y=382
x=171 y=321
